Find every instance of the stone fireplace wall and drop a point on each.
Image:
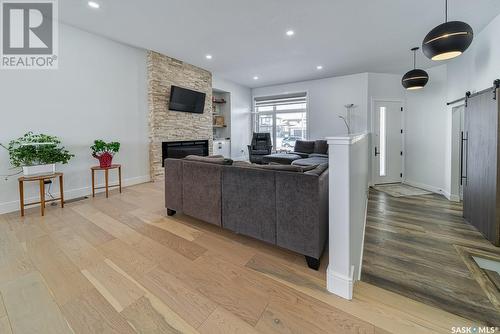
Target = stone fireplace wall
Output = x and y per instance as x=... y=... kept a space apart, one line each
x=166 y=125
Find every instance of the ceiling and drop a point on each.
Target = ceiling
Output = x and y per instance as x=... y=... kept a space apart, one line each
x=247 y=37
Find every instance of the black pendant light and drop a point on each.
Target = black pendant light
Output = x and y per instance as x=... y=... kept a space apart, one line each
x=415 y=79
x=447 y=40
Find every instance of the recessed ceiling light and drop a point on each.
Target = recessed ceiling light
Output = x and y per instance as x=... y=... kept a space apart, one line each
x=256 y=78
x=290 y=33
x=93 y=4
x=319 y=67
x=208 y=56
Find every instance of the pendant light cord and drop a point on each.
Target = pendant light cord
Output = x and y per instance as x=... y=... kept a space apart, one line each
x=414 y=59
x=445 y=10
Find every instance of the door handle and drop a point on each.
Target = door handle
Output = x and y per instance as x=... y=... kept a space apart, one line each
x=376 y=152
x=463 y=157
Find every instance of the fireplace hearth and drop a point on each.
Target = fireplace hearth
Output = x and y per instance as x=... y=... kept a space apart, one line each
x=181 y=149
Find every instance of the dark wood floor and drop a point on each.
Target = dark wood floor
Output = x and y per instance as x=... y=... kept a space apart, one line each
x=421 y=247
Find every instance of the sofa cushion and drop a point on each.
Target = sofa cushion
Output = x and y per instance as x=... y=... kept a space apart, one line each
x=319 y=155
x=313 y=161
x=287 y=168
x=301 y=154
x=214 y=159
x=321 y=147
x=304 y=146
x=274 y=167
x=281 y=158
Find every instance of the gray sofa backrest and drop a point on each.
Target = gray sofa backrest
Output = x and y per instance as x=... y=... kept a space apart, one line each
x=302 y=211
x=249 y=202
x=289 y=209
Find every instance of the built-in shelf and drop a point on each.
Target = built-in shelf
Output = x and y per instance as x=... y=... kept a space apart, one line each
x=221 y=114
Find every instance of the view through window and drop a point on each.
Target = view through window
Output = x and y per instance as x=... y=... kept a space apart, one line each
x=284 y=117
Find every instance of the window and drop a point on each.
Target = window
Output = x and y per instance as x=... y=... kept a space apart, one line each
x=284 y=116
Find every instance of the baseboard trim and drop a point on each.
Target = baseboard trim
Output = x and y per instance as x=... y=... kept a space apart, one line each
x=13 y=206
x=425 y=187
x=339 y=284
x=451 y=197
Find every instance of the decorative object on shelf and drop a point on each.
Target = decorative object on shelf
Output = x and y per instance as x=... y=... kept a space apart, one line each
x=37 y=153
x=447 y=40
x=104 y=152
x=214 y=100
x=347 y=118
x=416 y=78
x=219 y=120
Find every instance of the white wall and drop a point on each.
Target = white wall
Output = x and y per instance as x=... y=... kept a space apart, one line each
x=473 y=71
x=241 y=116
x=431 y=156
x=99 y=91
x=476 y=69
x=425 y=133
x=326 y=100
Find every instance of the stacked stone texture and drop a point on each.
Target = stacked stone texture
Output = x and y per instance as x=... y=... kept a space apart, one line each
x=166 y=125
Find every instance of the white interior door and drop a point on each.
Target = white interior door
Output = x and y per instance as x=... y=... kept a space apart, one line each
x=387 y=150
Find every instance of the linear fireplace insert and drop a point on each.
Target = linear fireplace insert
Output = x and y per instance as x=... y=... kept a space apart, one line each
x=181 y=149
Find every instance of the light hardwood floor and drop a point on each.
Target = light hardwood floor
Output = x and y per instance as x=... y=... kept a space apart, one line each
x=421 y=247
x=118 y=265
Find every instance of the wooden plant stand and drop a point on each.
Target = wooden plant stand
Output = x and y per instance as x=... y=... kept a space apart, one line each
x=41 y=180
x=106 y=177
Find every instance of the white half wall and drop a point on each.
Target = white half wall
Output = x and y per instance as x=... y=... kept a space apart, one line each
x=326 y=100
x=99 y=91
x=348 y=198
x=241 y=115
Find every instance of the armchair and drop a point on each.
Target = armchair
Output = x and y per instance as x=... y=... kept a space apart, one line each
x=261 y=146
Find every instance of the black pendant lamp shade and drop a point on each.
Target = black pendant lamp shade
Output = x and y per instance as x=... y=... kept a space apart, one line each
x=447 y=40
x=416 y=78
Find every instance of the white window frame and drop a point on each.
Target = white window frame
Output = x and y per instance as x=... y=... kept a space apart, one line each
x=274 y=112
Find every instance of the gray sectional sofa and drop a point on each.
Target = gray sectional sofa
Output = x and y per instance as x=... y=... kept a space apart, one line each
x=283 y=205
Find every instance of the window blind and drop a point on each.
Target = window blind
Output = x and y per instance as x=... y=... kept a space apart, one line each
x=280 y=100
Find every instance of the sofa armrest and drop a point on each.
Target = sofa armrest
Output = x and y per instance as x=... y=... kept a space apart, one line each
x=173 y=184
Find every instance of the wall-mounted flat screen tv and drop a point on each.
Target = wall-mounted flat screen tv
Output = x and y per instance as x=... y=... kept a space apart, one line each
x=186 y=100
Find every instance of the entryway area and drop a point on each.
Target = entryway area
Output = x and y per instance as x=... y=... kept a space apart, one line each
x=421 y=247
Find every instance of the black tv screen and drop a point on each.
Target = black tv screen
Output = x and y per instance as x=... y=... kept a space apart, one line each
x=187 y=100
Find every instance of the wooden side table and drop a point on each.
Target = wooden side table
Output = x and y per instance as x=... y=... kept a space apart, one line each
x=41 y=180
x=106 y=177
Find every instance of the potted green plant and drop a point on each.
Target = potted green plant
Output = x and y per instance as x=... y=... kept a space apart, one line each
x=104 y=152
x=37 y=153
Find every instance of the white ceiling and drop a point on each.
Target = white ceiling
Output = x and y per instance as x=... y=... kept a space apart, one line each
x=247 y=37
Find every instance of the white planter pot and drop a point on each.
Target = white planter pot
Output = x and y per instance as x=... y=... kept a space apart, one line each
x=39 y=169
